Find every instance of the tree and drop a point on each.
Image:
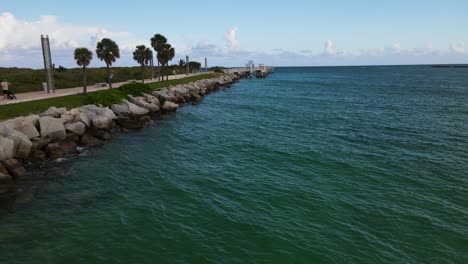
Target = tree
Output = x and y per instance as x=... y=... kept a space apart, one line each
x=170 y=53
x=143 y=56
x=193 y=65
x=83 y=57
x=157 y=42
x=108 y=51
x=181 y=63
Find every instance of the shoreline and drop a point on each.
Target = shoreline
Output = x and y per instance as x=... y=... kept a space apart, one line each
x=35 y=141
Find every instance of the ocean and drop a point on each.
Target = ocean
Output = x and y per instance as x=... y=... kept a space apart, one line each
x=309 y=165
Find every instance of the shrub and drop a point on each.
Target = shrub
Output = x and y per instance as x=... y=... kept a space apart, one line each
x=218 y=69
x=135 y=89
x=106 y=98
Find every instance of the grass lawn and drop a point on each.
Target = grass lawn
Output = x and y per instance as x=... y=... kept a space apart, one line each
x=72 y=101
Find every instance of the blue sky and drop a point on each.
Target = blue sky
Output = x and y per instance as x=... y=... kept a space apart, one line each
x=232 y=32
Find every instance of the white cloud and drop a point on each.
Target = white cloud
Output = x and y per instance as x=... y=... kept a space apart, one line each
x=329 y=48
x=458 y=47
x=20 y=43
x=231 y=38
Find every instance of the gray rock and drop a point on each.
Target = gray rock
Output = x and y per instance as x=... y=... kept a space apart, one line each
x=142 y=102
x=134 y=109
x=7 y=148
x=103 y=135
x=90 y=141
x=52 y=128
x=67 y=118
x=169 y=107
x=102 y=122
x=152 y=99
x=120 y=109
x=39 y=143
x=128 y=123
x=83 y=118
x=68 y=146
x=54 y=151
x=77 y=128
x=22 y=144
x=54 y=112
x=29 y=130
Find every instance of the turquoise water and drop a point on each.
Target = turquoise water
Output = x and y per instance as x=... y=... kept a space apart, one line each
x=310 y=165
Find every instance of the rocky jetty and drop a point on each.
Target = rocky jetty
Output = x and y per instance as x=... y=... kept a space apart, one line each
x=58 y=131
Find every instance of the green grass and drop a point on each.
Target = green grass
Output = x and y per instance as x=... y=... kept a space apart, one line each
x=30 y=80
x=160 y=85
x=106 y=97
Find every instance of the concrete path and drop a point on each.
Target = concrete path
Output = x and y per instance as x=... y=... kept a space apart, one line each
x=31 y=96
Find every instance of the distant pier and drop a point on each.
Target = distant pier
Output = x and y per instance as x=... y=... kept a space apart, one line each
x=261 y=71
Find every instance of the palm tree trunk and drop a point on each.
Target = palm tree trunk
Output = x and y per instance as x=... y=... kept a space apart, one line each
x=159 y=69
x=109 y=80
x=142 y=73
x=85 y=90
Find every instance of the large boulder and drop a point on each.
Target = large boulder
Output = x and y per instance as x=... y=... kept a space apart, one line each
x=142 y=102
x=102 y=122
x=90 y=141
x=29 y=130
x=129 y=123
x=39 y=143
x=21 y=121
x=77 y=128
x=22 y=144
x=169 y=107
x=7 y=147
x=14 y=167
x=54 y=112
x=68 y=146
x=37 y=155
x=52 y=128
x=83 y=118
x=5 y=182
x=54 y=151
x=134 y=109
x=165 y=95
x=152 y=99
x=181 y=93
x=67 y=118
x=120 y=109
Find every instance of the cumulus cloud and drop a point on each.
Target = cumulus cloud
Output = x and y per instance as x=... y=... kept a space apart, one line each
x=458 y=47
x=231 y=38
x=20 y=41
x=329 y=48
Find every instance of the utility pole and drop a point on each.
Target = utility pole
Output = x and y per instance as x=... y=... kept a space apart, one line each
x=152 y=65
x=187 y=64
x=48 y=63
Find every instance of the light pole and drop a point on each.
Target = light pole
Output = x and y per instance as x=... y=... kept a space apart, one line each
x=48 y=63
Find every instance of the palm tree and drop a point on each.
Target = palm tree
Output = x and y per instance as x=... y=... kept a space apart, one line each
x=108 y=51
x=143 y=56
x=165 y=54
x=83 y=57
x=170 y=55
x=181 y=63
x=157 y=42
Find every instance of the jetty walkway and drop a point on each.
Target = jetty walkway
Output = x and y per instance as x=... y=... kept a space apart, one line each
x=38 y=95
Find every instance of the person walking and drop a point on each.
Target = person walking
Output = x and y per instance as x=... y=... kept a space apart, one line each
x=5 y=84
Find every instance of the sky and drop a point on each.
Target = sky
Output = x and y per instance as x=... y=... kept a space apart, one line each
x=230 y=33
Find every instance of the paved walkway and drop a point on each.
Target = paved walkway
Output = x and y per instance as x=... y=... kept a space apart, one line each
x=31 y=96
